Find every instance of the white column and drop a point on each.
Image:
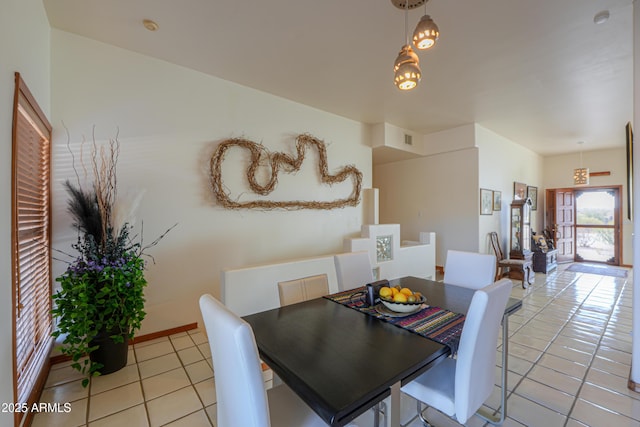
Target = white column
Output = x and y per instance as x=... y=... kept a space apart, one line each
x=635 y=356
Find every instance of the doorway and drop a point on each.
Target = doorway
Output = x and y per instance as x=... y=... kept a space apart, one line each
x=585 y=223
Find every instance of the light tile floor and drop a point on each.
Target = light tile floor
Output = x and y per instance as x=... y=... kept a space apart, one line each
x=569 y=362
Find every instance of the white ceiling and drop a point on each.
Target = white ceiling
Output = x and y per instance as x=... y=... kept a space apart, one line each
x=538 y=72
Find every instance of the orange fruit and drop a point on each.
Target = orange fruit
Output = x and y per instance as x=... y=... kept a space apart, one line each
x=406 y=291
x=394 y=291
x=385 y=292
x=399 y=297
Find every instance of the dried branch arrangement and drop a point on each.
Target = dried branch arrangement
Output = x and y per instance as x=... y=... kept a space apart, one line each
x=281 y=161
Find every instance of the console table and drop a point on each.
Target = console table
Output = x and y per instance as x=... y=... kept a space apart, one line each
x=544 y=262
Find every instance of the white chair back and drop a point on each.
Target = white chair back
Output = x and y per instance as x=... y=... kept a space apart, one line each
x=353 y=269
x=241 y=395
x=475 y=366
x=469 y=269
x=298 y=290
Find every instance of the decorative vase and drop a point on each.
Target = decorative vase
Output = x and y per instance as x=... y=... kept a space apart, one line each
x=112 y=355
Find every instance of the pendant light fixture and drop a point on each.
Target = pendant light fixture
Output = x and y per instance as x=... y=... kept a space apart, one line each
x=426 y=33
x=407 y=65
x=581 y=175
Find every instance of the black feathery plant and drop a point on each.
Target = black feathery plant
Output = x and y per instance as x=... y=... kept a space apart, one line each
x=83 y=207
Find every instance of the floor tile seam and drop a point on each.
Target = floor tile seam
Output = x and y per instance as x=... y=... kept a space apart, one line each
x=173 y=391
x=119 y=410
x=589 y=367
x=546 y=385
x=187 y=415
x=114 y=413
x=201 y=399
x=535 y=315
x=192 y=384
x=542 y=404
x=162 y=373
x=184 y=367
x=604 y=408
x=610 y=389
x=199 y=352
x=145 y=401
x=534 y=364
x=114 y=387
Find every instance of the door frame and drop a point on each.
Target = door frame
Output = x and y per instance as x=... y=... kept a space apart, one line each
x=550 y=215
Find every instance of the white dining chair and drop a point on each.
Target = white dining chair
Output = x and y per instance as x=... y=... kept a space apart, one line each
x=242 y=400
x=353 y=269
x=306 y=288
x=459 y=386
x=469 y=269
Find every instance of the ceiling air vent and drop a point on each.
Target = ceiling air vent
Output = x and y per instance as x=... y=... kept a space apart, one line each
x=408 y=139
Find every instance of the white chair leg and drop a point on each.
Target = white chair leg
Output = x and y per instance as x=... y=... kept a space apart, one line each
x=379 y=408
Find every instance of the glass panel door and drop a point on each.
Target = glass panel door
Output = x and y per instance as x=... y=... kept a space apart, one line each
x=596 y=225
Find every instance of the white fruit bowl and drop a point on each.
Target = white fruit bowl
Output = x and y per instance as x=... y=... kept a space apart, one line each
x=403 y=307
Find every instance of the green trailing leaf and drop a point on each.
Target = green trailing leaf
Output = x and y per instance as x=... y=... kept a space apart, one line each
x=102 y=290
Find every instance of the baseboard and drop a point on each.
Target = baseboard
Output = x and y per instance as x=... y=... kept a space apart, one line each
x=165 y=333
x=60 y=358
x=632 y=385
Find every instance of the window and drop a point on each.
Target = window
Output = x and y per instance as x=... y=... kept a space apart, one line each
x=31 y=259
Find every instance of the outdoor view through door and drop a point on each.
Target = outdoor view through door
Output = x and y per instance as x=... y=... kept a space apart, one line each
x=585 y=223
x=596 y=224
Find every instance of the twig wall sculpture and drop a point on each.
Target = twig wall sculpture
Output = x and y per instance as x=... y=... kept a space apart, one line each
x=281 y=162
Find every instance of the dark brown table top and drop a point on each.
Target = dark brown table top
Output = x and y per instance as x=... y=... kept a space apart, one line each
x=341 y=361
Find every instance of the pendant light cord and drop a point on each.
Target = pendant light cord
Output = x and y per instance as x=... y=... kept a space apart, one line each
x=406 y=22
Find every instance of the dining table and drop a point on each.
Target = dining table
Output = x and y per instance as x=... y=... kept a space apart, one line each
x=342 y=361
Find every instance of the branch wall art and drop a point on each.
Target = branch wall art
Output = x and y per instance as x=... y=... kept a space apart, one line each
x=281 y=162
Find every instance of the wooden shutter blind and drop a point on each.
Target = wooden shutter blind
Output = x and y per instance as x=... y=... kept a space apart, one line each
x=31 y=259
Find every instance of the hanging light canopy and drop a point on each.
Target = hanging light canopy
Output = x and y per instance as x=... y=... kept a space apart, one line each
x=406 y=68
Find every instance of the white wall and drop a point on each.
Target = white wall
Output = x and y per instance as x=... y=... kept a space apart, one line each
x=558 y=173
x=501 y=163
x=170 y=119
x=436 y=193
x=30 y=57
x=442 y=190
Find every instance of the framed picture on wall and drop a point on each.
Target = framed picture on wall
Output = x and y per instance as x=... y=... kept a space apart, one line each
x=497 y=200
x=486 y=202
x=519 y=191
x=532 y=193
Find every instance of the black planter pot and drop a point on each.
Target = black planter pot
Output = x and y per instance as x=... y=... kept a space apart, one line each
x=112 y=355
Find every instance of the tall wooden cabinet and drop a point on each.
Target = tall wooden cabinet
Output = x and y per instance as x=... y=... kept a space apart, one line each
x=520 y=238
x=520 y=241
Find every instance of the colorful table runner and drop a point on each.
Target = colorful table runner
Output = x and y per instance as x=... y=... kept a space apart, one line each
x=437 y=324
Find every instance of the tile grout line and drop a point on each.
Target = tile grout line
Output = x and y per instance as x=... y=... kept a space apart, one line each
x=191 y=384
x=584 y=379
x=533 y=364
x=144 y=397
x=510 y=393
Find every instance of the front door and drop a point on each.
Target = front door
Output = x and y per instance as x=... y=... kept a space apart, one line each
x=560 y=205
x=595 y=234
